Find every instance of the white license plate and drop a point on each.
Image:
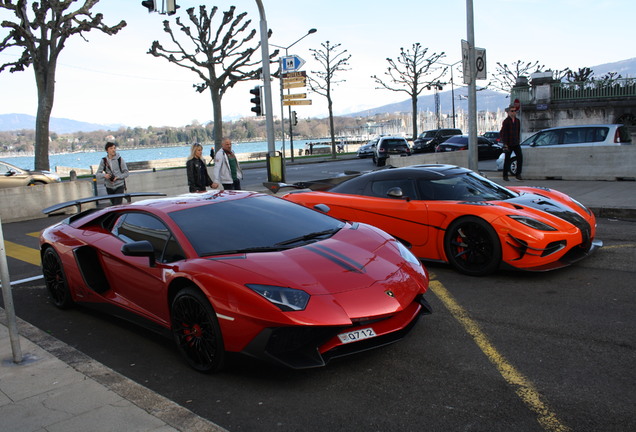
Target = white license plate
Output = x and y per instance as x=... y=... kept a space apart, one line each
x=357 y=335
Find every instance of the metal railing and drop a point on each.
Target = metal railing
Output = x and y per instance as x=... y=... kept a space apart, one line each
x=593 y=89
x=618 y=88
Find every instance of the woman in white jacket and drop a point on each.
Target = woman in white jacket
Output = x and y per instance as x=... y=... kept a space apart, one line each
x=227 y=169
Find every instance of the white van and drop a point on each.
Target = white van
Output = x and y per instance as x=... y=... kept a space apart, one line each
x=574 y=136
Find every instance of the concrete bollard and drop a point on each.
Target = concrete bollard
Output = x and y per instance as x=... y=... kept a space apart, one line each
x=73 y=175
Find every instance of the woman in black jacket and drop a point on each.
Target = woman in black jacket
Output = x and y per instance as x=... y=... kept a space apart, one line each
x=198 y=177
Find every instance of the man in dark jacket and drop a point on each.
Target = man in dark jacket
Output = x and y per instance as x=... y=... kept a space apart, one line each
x=510 y=135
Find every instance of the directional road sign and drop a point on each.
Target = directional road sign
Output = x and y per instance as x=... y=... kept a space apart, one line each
x=294 y=74
x=291 y=63
x=297 y=102
x=295 y=96
x=294 y=84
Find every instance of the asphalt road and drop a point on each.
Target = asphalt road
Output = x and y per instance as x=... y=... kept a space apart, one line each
x=513 y=351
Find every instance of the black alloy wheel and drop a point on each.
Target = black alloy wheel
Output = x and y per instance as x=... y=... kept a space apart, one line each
x=472 y=246
x=55 y=279
x=196 y=331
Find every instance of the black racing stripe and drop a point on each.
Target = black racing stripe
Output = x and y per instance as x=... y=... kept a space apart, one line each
x=392 y=217
x=357 y=265
x=335 y=260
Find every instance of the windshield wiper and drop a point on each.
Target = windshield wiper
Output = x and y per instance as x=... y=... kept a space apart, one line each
x=309 y=236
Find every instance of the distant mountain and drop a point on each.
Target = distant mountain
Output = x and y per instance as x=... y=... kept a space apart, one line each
x=486 y=100
x=11 y=122
x=626 y=68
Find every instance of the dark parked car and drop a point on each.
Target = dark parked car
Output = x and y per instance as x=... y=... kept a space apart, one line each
x=428 y=140
x=367 y=149
x=493 y=136
x=387 y=146
x=12 y=176
x=486 y=149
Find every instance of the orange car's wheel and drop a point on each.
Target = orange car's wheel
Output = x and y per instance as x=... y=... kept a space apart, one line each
x=472 y=246
x=196 y=331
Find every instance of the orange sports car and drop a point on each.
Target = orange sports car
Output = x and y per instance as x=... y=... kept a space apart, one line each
x=451 y=214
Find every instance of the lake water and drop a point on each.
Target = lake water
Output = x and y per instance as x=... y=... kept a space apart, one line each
x=86 y=159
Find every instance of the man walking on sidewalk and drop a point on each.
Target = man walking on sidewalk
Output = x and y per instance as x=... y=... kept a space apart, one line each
x=510 y=135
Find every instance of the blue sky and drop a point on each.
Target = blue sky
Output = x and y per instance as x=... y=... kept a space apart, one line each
x=112 y=80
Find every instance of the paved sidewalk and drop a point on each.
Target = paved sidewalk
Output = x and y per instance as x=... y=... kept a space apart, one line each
x=58 y=389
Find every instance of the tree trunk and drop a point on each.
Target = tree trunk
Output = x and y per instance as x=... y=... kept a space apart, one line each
x=331 y=128
x=45 y=80
x=414 y=115
x=218 y=117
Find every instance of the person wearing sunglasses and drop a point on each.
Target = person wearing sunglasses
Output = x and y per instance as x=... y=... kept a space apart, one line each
x=510 y=135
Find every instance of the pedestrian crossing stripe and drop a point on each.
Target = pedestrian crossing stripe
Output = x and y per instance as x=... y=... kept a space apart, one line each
x=22 y=253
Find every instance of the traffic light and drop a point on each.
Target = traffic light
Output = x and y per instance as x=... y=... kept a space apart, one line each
x=256 y=100
x=294 y=119
x=171 y=7
x=168 y=6
x=149 y=4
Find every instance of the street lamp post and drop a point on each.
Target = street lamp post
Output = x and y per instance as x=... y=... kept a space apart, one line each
x=282 y=119
x=452 y=87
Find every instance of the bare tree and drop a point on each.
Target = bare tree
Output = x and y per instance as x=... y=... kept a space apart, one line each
x=42 y=35
x=582 y=75
x=408 y=75
x=505 y=77
x=332 y=61
x=220 y=57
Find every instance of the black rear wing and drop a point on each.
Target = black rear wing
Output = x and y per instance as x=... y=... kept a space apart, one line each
x=315 y=185
x=78 y=202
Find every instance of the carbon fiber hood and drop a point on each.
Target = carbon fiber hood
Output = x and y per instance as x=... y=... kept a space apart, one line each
x=547 y=205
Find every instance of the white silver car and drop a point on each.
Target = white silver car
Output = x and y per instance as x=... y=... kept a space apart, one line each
x=573 y=136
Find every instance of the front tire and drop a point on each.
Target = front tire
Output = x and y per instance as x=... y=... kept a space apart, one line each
x=55 y=279
x=513 y=166
x=196 y=331
x=472 y=246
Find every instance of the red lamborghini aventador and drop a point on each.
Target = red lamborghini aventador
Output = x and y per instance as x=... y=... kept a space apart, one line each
x=241 y=272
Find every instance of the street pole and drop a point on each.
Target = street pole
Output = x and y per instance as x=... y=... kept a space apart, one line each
x=282 y=119
x=472 y=89
x=267 y=85
x=282 y=110
x=9 y=309
x=452 y=87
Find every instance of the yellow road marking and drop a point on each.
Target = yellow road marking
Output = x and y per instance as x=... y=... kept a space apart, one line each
x=23 y=253
x=619 y=246
x=523 y=387
x=34 y=234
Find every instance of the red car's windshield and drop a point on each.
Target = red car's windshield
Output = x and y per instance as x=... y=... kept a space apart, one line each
x=252 y=224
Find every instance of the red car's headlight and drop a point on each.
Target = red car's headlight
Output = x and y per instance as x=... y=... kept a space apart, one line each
x=286 y=299
x=408 y=255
